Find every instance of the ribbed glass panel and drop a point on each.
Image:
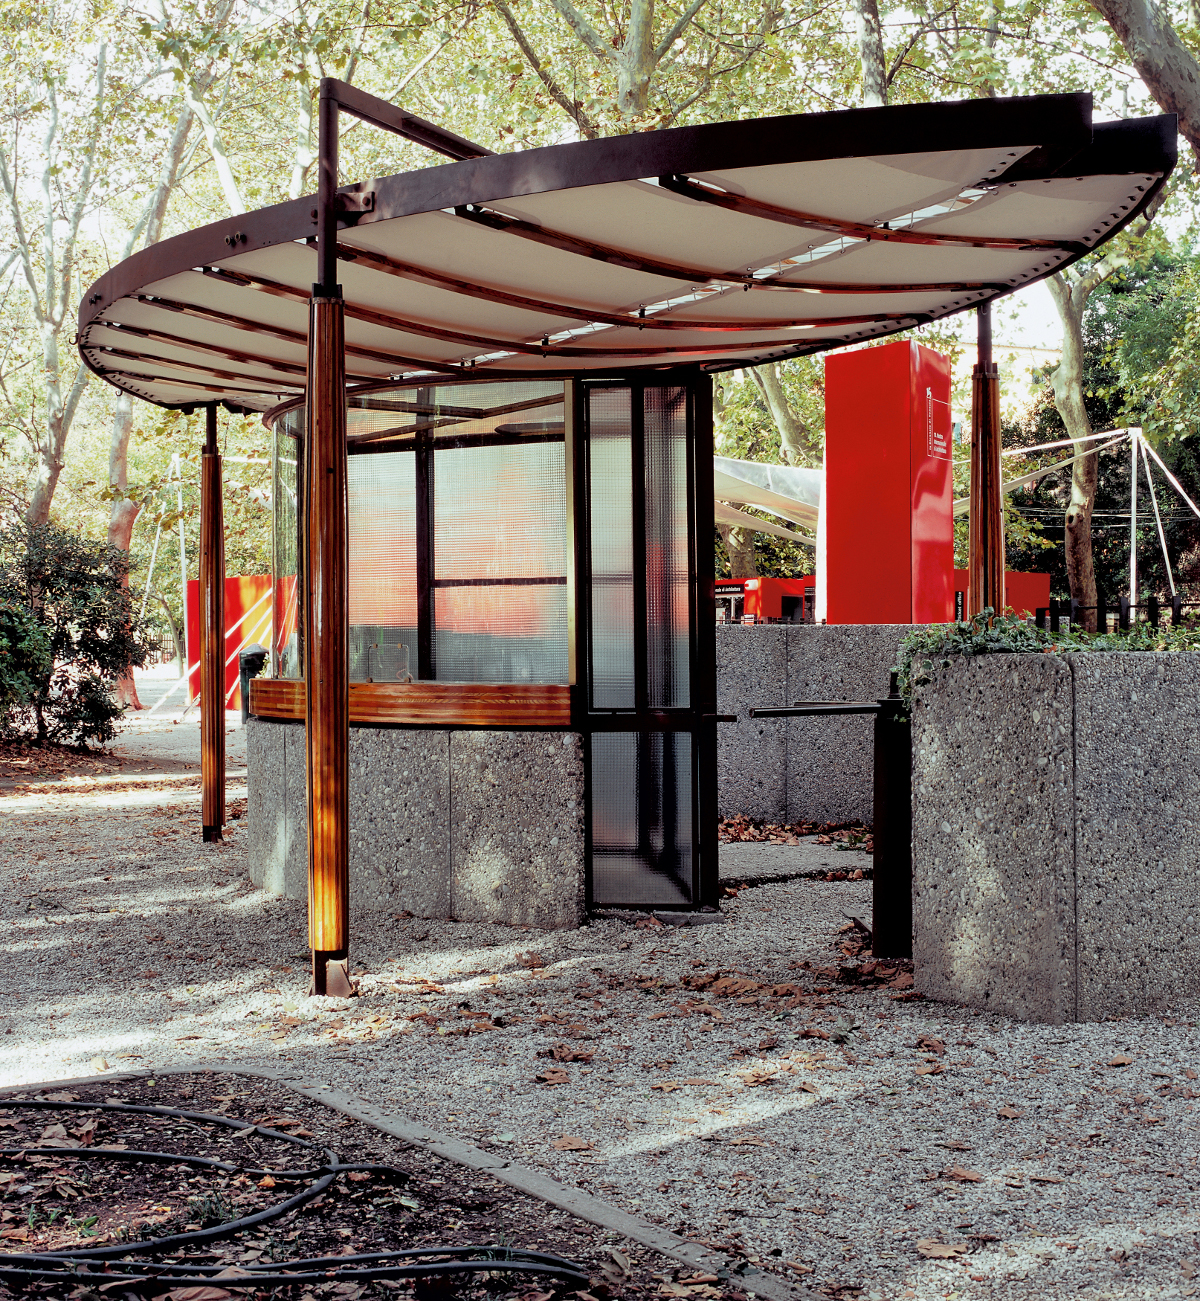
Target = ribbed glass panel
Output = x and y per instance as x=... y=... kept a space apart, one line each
x=383 y=567
x=641 y=818
x=610 y=470
x=286 y=616
x=667 y=605
x=500 y=563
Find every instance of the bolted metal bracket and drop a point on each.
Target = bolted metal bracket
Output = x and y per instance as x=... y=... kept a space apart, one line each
x=331 y=976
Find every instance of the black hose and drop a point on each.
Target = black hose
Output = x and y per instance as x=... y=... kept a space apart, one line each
x=140 y=1274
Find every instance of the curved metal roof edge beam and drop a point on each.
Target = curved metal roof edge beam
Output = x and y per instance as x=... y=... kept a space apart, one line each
x=1058 y=125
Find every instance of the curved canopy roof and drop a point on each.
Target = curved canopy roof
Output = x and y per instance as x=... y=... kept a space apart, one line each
x=722 y=245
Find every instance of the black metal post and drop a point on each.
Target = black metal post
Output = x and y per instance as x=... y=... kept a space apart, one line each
x=1176 y=610
x=1152 y=611
x=891 y=892
x=1101 y=614
x=1055 y=616
x=1123 y=615
x=1041 y=616
x=1076 y=610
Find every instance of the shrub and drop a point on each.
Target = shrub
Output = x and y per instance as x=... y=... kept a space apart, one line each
x=73 y=629
x=925 y=650
x=24 y=655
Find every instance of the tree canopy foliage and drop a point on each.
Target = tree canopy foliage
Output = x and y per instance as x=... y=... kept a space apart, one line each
x=124 y=124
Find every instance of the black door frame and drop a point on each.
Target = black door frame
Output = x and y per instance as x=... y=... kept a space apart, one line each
x=698 y=717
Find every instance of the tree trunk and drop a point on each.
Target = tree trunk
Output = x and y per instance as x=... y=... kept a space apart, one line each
x=124 y=513
x=1067 y=382
x=795 y=440
x=739 y=543
x=870 y=51
x=122 y=518
x=637 y=62
x=1163 y=62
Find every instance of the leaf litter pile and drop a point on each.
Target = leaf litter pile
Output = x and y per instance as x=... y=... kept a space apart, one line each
x=392 y=1197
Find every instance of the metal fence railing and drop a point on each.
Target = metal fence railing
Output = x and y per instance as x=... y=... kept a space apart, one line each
x=1052 y=616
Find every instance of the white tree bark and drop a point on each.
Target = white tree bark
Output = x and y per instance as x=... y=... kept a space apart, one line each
x=48 y=267
x=1164 y=63
x=870 y=52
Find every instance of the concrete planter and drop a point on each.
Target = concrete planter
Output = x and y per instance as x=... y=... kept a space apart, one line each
x=788 y=770
x=474 y=825
x=1056 y=834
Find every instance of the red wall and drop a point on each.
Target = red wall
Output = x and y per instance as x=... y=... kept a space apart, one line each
x=889 y=530
x=1023 y=593
x=241 y=594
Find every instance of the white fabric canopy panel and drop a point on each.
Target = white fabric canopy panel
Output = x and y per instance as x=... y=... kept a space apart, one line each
x=721 y=246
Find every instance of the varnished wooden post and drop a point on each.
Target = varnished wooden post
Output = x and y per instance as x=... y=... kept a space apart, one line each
x=326 y=663
x=986 y=563
x=212 y=634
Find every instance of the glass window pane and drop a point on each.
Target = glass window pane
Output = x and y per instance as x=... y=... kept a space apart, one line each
x=641 y=818
x=667 y=604
x=285 y=635
x=382 y=567
x=500 y=563
x=610 y=482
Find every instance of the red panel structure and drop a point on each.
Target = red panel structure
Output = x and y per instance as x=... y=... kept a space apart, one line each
x=888 y=486
x=247 y=620
x=1023 y=593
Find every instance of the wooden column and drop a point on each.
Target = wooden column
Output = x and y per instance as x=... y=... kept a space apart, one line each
x=326 y=643
x=212 y=634
x=986 y=563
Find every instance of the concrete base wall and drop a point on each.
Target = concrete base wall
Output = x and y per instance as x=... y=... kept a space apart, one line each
x=1056 y=834
x=479 y=826
x=814 y=769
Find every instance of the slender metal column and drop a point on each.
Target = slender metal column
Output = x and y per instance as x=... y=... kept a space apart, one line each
x=326 y=645
x=986 y=563
x=212 y=634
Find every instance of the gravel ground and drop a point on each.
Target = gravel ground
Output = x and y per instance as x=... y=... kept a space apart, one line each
x=1041 y=1163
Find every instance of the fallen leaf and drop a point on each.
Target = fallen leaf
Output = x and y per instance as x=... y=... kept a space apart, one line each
x=1121 y=1060
x=963 y=1176
x=698 y=1081
x=565 y=1053
x=61 y=1097
x=569 y=1144
x=956 y=1145
x=935 y=1250
x=358 y=1176
x=204 y=1293
x=928 y=1044
x=1010 y=1113
x=903 y=981
x=809 y=1087
x=1045 y=1179
x=98 y=1064
x=552 y=1076
x=930 y=1068
x=266 y=1182
x=740 y=1139
x=53 y=1131
x=667 y=1086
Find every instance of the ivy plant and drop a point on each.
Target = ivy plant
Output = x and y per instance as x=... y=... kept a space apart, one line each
x=926 y=650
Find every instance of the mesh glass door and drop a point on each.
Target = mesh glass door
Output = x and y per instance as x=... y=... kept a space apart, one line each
x=646 y=692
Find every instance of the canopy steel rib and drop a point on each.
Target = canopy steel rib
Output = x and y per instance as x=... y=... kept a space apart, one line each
x=705 y=193
x=589 y=312
x=626 y=321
